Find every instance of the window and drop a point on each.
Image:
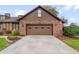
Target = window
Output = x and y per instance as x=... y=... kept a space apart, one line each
x=36 y=27
x=7 y=26
x=42 y=27
x=2 y=17
x=48 y=27
x=15 y=26
x=0 y=25
x=29 y=28
x=39 y=13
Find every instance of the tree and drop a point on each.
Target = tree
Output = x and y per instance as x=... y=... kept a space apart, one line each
x=52 y=10
x=64 y=19
x=71 y=30
x=73 y=24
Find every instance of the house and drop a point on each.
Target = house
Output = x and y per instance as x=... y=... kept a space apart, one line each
x=8 y=23
x=36 y=22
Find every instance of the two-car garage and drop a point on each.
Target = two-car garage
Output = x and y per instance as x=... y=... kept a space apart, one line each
x=39 y=29
x=40 y=22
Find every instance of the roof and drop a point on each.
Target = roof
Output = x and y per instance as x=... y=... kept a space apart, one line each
x=44 y=10
x=16 y=19
x=11 y=19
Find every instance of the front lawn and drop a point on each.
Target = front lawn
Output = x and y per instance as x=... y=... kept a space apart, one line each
x=3 y=43
x=73 y=43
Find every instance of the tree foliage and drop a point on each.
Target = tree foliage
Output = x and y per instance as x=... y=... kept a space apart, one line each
x=52 y=10
x=71 y=30
x=64 y=20
x=73 y=24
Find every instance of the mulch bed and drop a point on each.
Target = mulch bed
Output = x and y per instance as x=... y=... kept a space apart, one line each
x=62 y=37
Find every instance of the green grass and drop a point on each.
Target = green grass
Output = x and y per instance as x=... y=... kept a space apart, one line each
x=73 y=43
x=3 y=43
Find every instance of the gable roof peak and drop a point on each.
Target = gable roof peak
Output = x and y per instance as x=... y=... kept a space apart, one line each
x=44 y=10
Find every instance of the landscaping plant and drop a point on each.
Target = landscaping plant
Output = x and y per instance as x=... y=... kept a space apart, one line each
x=15 y=32
x=12 y=38
x=1 y=32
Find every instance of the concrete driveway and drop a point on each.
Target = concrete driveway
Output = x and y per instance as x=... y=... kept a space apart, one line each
x=39 y=44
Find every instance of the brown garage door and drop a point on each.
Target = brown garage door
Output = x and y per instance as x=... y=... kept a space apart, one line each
x=39 y=29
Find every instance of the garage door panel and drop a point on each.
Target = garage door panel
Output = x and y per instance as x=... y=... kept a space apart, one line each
x=39 y=29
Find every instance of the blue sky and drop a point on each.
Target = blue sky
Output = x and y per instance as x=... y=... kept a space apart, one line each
x=70 y=12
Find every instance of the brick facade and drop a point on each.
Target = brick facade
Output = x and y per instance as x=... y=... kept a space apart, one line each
x=46 y=18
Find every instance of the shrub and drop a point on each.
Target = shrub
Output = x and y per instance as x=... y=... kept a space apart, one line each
x=71 y=30
x=12 y=38
x=1 y=32
x=8 y=32
x=15 y=32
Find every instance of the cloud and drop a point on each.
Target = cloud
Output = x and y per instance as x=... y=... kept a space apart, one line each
x=67 y=7
x=6 y=11
x=73 y=20
x=20 y=12
x=16 y=10
x=3 y=12
x=76 y=7
x=71 y=7
x=61 y=11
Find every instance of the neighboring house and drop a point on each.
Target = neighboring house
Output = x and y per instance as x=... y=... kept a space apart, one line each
x=8 y=23
x=37 y=22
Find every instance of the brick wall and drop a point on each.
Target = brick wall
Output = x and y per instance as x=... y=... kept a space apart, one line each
x=32 y=18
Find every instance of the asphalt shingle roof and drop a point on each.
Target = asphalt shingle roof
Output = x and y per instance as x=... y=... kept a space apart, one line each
x=11 y=19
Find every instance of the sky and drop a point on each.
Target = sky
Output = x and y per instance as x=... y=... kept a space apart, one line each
x=70 y=12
